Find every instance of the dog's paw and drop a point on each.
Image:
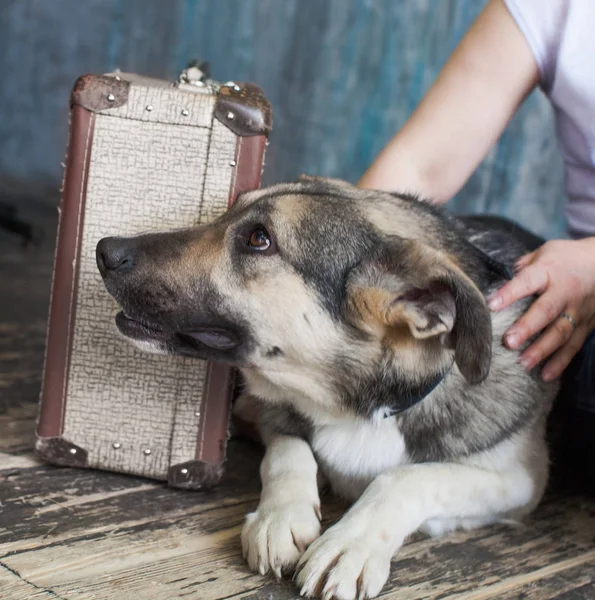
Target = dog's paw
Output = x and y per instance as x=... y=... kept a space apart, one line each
x=343 y=565
x=274 y=537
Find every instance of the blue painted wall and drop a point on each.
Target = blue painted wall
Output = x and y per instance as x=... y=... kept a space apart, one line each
x=342 y=75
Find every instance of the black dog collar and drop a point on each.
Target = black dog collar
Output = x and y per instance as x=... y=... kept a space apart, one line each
x=414 y=395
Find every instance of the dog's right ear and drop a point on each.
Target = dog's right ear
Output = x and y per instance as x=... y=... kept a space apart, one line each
x=412 y=293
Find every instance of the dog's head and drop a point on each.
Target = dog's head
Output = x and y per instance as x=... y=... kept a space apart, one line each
x=315 y=287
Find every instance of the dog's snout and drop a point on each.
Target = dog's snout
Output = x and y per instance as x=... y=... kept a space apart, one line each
x=114 y=254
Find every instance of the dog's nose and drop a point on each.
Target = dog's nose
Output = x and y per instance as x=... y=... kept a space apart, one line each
x=114 y=254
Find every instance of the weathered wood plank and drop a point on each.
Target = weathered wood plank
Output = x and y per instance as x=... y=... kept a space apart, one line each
x=25 y=275
x=194 y=551
x=37 y=501
x=13 y=587
x=17 y=423
x=568 y=579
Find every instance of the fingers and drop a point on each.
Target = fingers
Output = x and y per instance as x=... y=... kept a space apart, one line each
x=554 y=337
x=533 y=279
x=543 y=311
x=524 y=261
x=556 y=365
x=559 y=273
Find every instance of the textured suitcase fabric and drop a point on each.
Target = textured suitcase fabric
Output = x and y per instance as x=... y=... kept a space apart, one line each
x=143 y=155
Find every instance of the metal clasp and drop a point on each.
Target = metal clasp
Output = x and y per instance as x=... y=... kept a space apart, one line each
x=197 y=74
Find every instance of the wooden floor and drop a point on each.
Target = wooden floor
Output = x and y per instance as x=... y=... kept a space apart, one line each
x=75 y=534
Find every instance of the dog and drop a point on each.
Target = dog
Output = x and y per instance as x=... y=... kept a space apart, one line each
x=359 y=321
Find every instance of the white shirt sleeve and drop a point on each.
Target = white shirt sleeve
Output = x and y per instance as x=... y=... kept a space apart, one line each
x=543 y=23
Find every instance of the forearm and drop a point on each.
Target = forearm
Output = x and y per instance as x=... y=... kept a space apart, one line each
x=463 y=114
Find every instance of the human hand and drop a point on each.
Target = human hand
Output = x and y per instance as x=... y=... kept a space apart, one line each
x=562 y=274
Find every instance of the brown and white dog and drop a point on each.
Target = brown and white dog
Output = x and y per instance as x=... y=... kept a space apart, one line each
x=359 y=321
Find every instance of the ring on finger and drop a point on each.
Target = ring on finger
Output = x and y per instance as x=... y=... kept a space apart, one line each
x=570 y=319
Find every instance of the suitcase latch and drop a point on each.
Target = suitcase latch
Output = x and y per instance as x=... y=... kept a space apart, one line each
x=197 y=74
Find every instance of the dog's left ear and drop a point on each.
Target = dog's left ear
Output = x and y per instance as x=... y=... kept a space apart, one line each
x=415 y=291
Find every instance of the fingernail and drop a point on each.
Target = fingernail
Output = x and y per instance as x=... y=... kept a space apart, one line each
x=495 y=302
x=527 y=362
x=512 y=340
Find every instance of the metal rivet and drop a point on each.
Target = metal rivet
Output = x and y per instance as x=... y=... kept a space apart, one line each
x=147 y=451
x=185 y=112
x=72 y=451
x=197 y=414
x=149 y=107
x=184 y=471
x=116 y=445
x=230 y=116
x=110 y=97
x=232 y=163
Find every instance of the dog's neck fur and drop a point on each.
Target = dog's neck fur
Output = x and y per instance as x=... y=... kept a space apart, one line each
x=448 y=423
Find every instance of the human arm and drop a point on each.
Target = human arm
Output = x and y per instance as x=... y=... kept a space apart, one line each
x=479 y=89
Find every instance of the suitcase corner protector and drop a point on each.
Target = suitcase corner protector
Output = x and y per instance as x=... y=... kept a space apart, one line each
x=246 y=112
x=99 y=92
x=58 y=451
x=194 y=475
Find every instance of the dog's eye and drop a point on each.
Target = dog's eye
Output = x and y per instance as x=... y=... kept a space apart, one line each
x=259 y=239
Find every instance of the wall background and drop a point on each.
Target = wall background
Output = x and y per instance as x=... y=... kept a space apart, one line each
x=342 y=75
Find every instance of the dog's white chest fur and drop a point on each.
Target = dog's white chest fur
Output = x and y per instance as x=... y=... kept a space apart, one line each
x=352 y=453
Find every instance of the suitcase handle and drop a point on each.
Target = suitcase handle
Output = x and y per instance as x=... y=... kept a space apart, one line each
x=198 y=75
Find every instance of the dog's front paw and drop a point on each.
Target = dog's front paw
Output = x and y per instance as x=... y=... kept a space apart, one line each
x=275 y=536
x=345 y=564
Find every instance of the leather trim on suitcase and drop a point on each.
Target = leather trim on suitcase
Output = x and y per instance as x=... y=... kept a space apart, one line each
x=60 y=452
x=207 y=469
x=245 y=110
x=64 y=286
x=250 y=160
x=98 y=92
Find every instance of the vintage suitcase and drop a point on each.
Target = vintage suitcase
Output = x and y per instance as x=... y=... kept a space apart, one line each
x=143 y=155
